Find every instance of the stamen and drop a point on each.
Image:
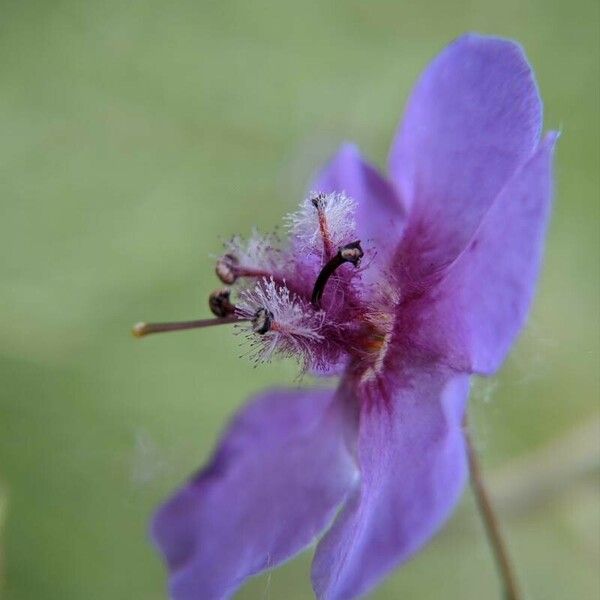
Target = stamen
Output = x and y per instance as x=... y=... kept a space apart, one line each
x=229 y=269
x=351 y=253
x=143 y=329
x=318 y=201
x=220 y=304
x=262 y=321
x=323 y=222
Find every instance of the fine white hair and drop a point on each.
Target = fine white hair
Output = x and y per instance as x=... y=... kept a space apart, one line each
x=258 y=251
x=338 y=212
x=296 y=325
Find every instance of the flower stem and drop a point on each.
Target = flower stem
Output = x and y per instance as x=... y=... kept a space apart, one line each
x=492 y=526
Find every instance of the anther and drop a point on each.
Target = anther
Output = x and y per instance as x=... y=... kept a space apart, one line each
x=350 y=253
x=227 y=268
x=220 y=304
x=262 y=321
x=317 y=201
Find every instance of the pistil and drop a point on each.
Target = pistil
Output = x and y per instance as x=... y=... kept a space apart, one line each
x=350 y=253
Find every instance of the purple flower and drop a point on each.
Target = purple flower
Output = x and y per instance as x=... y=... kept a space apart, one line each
x=451 y=245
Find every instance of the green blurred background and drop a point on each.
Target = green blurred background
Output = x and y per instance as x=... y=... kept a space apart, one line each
x=137 y=135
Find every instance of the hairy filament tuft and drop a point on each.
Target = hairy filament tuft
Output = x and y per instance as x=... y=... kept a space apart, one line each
x=294 y=326
x=319 y=215
x=256 y=256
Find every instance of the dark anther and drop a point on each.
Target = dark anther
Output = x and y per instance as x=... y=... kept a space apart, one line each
x=262 y=321
x=351 y=253
x=220 y=304
x=317 y=200
x=226 y=268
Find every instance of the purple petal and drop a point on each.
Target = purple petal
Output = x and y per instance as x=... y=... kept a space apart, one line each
x=472 y=120
x=380 y=215
x=482 y=303
x=279 y=473
x=413 y=465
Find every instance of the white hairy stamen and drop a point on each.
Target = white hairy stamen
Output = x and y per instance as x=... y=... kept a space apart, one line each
x=338 y=212
x=258 y=252
x=295 y=325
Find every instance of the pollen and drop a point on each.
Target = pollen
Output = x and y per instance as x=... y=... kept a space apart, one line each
x=375 y=348
x=378 y=335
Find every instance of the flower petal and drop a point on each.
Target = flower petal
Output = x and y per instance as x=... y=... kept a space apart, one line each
x=413 y=464
x=279 y=473
x=380 y=215
x=472 y=120
x=473 y=316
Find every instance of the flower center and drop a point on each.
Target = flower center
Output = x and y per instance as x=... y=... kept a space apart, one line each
x=297 y=299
